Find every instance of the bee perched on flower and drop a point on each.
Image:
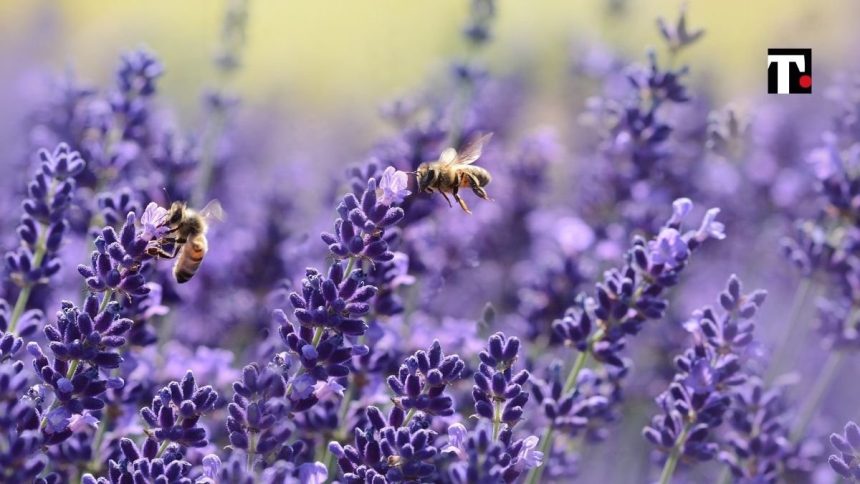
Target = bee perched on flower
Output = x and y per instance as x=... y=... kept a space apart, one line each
x=153 y=222
x=183 y=230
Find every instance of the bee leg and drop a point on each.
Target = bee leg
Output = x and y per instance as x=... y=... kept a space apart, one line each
x=476 y=187
x=446 y=198
x=481 y=193
x=159 y=252
x=167 y=255
x=460 y=200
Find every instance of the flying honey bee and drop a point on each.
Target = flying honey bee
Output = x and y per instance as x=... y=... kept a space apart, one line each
x=453 y=171
x=187 y=237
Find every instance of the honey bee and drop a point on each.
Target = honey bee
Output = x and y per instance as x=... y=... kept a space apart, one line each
x=453 y=171
x=187 y=237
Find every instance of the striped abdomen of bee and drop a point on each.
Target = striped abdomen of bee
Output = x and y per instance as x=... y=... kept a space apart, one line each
x=190 y=257
x=476 y=178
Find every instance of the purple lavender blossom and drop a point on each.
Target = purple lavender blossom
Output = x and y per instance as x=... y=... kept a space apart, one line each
x=147 y=463
x=498 y=391
x=359 y=232
x=19 y=424
x=422 y=379
x=389 y=451
x=392 y=186
x=116 y=264
x=334 y=302
x=115 y=206
x=846 y=462
x=622 y=303
x=678 y=36
x=256 y=411
x=42 y=226
x=481 y=458
x=758 y=445
x=559 y=303
x=700 y=395
x=83 y=341
x=28 y=323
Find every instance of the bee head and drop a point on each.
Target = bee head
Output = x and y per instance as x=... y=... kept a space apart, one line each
x=176 y=213
x=425 y=175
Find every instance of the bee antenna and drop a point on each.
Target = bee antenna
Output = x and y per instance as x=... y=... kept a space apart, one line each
x=166 y=194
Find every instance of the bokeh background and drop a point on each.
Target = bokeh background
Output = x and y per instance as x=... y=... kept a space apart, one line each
x=331 y=61
x=314 y=76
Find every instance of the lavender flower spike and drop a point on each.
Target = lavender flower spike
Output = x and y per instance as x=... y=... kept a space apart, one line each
x=700 y=394
x=360 y=228
x=422 y=380
x=175 y=411
x=43 y=225
x=498 y=391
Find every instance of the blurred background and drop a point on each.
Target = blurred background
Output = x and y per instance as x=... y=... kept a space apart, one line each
x=317 y=85
x=336 y=61
x=321 y=73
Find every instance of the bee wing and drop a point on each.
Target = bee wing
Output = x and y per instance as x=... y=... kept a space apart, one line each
x=448 y=156
x=473 y=150
x=213 y=212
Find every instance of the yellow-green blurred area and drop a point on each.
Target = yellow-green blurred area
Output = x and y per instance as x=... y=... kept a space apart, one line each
x=348 y=56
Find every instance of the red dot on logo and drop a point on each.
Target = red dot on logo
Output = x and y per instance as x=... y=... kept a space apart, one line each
x=805 y=81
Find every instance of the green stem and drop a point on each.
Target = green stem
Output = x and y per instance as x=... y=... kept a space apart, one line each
x=674 y=456
x=497 y=418
x=818 y=392
x=328 y=458
x=573 y=376
x=545 y=447
x=97 y=442
x=317 y=336
x=20 y=306
x=535 y=474
x=798 y=303
x=328 y=461
x=73 y=368
x=349 y=267
x=95 y=464
x=24 y=295
x=409 y=416
x=162 y=448
x=725 y=476
x=105 y=300
x=252 y=449
x=344 y=404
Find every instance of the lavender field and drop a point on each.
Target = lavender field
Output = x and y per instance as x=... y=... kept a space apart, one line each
x=625 y=263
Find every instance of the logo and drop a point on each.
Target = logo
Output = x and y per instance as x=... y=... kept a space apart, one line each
x=789 y=71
